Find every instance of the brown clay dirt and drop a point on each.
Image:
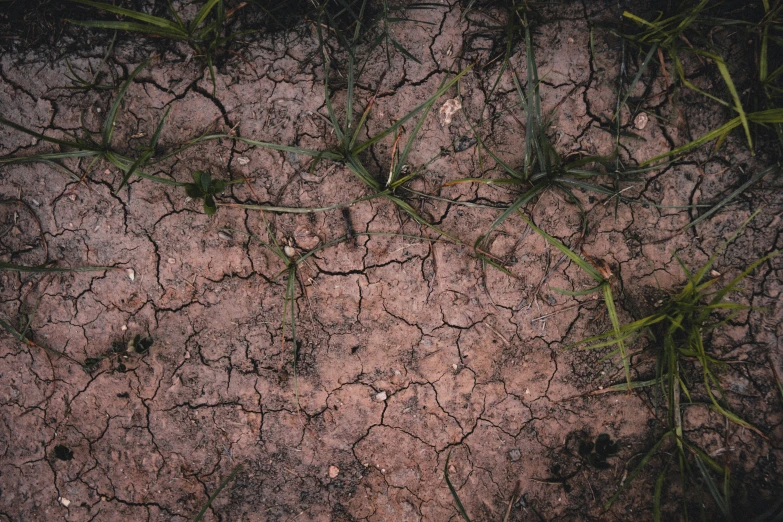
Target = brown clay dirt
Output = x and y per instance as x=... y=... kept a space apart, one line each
x=409 y=350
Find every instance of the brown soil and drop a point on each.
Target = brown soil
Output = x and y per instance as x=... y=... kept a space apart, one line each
x=409 y=350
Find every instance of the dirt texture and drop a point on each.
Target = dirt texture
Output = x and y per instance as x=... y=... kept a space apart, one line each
x=408 y=350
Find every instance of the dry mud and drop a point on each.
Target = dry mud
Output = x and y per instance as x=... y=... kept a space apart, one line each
x=409 y=350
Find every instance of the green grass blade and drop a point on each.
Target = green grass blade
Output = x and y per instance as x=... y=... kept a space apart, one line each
x=624 y=386
x=573 y=256
x=214 y=495
x=300 y=210
x=650 y=454
x=578 y=293
x=642 y=68
x=724 y=72
x=718 y=133
x=147 y=154
x=131 y=27
x=457 y=501
x=443 y=88
x=49 y=157
x=716 y=300
x=38 y=135
x=159 y=129
x=516 y=206
x=714 y=491
x=142 y=17
x=610 y=307
x=201 y=15
x=111 y=115
x=287 y=148
x=736 y=192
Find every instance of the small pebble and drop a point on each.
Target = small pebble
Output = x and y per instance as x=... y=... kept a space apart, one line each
x=172 y=261
x=289 y=251
x=131 y=274
x=640 y=122
x=380 y=397
x=333 y=471
x=448 y=109
x=514 y=455
x=64 y=501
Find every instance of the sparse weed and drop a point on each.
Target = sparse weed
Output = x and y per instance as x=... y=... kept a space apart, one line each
x=676 y=330
x=673 y=36
x=542 y=166
x=349 y=149
x=87 y=146
x=205 y=33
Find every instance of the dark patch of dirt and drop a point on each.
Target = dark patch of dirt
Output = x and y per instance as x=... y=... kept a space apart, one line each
x=409 y=350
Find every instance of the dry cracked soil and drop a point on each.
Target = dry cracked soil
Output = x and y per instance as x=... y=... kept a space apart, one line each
x=409 y=351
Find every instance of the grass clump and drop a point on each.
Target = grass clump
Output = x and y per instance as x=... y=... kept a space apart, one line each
x=676 y=330
x=681 y=34
x=99 y=146
x=543 y=167
x=350 y=150
x=206 y=33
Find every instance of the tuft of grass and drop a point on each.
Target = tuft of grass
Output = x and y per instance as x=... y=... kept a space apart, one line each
x=87 y=146
x=542 y=166
x=99 y=146
x=672 y=36
x=350 y=149
x=205 y=33
x=676 y=329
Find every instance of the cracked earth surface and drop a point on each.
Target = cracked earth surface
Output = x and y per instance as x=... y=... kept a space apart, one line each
x=409 y=350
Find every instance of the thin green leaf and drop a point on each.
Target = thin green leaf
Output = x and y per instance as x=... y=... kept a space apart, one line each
x=457 y=501
x=214 y=495
x=111 y=115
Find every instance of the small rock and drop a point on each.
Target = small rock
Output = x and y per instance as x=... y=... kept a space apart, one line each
x=64 y=501
x=171 y=260
x=640 y=122
x=123 y=327
x=333 y=471
x=380 y=397
x=306 y=239
x=242 y=160
x=289 y=251
x=514 y=455
x=715 y=273
x=448 y=109
x=131 y=274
